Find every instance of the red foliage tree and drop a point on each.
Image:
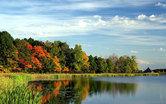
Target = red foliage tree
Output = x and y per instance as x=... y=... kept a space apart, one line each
x=29 y=46
x=24 y=65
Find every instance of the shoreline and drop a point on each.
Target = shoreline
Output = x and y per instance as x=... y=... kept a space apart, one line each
x=72 y=75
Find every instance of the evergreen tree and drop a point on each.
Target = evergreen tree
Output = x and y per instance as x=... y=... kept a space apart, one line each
x=100 y=64
x=93 y=65
x=8 y=52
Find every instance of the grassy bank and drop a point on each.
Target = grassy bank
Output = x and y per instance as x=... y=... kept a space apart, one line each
x=25 y=76
x=9 y=79
x=13 y=86
x=16 y=79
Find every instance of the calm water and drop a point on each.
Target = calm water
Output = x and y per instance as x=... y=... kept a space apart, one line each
x=103 y=90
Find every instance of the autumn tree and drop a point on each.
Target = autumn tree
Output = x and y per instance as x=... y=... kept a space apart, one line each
x=58 y=67
x=38 y=56
x=36 y=64
x=66 y=69
x=85 y=67
x=24 y=65
x=42 y=60
x=61 y=50
x=24 y=49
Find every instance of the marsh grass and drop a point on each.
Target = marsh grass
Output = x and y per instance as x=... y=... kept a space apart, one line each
x=20 y=95
x=14 y=79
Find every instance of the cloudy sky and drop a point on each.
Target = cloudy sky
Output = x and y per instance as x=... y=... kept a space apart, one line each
x=102 y=27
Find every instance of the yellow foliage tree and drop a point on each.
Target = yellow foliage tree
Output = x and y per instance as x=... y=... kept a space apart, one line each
x=85 y=62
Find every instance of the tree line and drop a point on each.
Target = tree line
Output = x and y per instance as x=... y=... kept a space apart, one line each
x=29 y=55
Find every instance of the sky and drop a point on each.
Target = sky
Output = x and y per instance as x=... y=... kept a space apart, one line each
x=102 y=27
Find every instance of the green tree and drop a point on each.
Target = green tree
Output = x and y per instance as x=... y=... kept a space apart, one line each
x=48 y=65
x=134 y=64
x=110 y=66
x=122 y=64
x=33 y=42
x=128 y=69
x=23 y=50
x=93 y=65
x=79 y=60
x=127 y=64
x=101 y=64
x=8 y=52
x=61 y=50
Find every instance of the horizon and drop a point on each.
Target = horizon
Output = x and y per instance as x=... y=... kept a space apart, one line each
x=101 y=27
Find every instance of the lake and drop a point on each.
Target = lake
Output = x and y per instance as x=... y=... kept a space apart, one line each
x=98 y=90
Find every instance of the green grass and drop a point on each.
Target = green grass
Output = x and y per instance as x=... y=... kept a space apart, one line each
x=25 y=76
x=7 y=80
x=20 y=95
x=10 y=79
x=13 y=86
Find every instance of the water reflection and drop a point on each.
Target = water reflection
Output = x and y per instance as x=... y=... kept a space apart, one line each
x=77 y=90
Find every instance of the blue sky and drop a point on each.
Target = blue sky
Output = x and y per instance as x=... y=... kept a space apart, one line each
x=102 y=27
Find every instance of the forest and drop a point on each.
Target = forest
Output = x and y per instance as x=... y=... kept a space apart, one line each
x=34 y=56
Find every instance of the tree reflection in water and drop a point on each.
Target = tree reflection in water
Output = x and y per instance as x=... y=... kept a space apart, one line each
x=77 y=90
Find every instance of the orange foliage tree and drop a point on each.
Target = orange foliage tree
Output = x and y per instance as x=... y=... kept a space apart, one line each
x=36 y=62
x=38 y=52
x=65 y=69
x=56 y=61
x=42 y=60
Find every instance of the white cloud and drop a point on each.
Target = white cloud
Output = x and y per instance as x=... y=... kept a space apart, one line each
x=82 y=23
x=116 y=20
x=160 y=4
x=142 y=17
x=45 y=26
x=162 y=50
x=153 y=18
x=132 y=51
x=97 y=16
x=143 y=62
